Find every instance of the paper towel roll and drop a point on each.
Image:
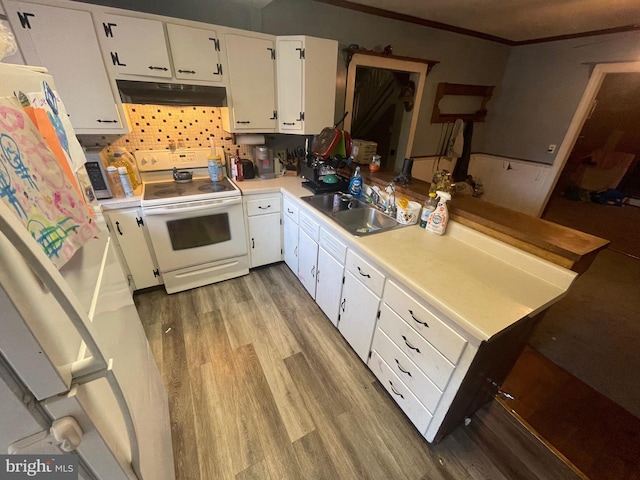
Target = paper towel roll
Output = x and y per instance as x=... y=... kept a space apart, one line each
x=248 y=139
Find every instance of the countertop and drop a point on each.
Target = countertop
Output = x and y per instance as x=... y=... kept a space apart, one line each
x=480 y=283
x=559 y=244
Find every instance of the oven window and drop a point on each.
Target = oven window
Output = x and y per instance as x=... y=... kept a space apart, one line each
x=199 y=231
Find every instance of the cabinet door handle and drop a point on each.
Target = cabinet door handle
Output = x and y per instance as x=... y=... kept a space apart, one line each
x=395 y=392
x=272 y=52
x=317 y=276
x=289 y=210
x=274 y=116
x=253 y=243
x=264 y=208
x=118 y=228
x=342 y=305
x=295 y=251
x=409 y=345
x=406 y=372
x=363 y=274
x=313 y=271
x=218 y=69
x=416 y=320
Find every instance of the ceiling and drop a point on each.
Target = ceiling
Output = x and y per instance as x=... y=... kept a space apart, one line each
x=509 y=21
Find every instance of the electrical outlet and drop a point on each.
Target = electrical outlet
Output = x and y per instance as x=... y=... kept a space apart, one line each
x=552 y=148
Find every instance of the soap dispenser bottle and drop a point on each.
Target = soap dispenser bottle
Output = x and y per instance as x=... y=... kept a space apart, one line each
x=355 y=184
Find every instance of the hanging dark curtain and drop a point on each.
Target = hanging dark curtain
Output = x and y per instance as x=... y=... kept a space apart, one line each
x=462 y=165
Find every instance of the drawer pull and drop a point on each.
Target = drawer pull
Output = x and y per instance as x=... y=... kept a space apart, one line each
x=416 y=320
x=363 y=274
x=264 y=208
x=406 y=372
x=395 y=392
x=409 y=345
x=289 y=210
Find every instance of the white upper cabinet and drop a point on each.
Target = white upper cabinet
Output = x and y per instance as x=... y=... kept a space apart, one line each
x=195 y=53
x=307 y=71
x=252 y=74
x=134 y=46
x=64 y=41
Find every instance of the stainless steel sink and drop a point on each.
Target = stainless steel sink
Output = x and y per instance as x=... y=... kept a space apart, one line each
x=355 y=216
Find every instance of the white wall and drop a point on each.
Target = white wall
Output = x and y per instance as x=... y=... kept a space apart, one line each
x=515 y=184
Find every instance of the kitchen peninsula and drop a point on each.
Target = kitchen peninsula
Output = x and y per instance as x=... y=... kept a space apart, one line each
x=480 y=296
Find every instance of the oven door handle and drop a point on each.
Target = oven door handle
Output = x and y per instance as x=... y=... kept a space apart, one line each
x=192 y=207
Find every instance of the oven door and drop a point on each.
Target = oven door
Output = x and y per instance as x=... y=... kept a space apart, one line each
x=196 y=233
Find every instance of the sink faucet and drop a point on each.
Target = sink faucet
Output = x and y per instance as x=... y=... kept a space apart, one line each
x=391 y=203
x=384 y=203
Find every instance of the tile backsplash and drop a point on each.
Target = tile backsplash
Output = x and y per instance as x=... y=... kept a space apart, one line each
x=153 y=126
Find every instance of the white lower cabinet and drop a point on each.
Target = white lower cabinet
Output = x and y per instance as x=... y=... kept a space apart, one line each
x=330 y=274
x=129 y=231
x=290 y=233
x=264 y=225
x=358 y=312
x=290 y=243
x=406 y=400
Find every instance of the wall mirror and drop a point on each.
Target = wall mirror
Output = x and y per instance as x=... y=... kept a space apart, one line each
x=383 y=97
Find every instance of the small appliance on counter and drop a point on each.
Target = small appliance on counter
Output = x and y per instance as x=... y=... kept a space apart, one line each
x=264 y=161
x=97 y=175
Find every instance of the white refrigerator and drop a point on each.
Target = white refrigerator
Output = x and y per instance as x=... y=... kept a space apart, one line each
x=76 y=371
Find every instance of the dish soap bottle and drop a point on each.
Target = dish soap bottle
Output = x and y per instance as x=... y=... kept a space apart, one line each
x=438 y=220
x=355 y=184
x=429 y=206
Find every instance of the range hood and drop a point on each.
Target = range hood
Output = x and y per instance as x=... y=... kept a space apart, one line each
x=175 y=94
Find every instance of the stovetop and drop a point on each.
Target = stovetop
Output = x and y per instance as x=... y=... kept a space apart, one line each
x=167 y=192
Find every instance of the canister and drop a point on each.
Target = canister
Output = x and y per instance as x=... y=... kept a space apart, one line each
x=215 y=168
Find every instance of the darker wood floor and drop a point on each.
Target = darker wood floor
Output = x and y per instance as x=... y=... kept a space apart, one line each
x=599 y=437
x=262 y=386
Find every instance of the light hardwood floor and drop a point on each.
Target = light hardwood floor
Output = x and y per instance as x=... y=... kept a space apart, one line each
x=262 y=386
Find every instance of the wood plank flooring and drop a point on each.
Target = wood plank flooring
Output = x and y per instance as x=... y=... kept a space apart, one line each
x=262 y=386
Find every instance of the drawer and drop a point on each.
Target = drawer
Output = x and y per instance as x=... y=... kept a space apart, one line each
x=414 y=346
x=440 y=335
x=263 y=206
x=419 y=384
x=333 y=246
x=309 y=226
x=409 y=404
x=290 y=209
x=363 y=271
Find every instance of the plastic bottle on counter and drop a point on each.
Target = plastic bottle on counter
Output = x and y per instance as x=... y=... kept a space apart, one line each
x=429 y=206
x=439 y=219
x=126 y=182
x=355 y=184
x=114 y=182
x=121 y=160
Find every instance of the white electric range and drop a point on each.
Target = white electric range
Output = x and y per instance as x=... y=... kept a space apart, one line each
x=196 y=227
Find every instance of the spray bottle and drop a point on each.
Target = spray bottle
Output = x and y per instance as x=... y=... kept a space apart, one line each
x=438 y=220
